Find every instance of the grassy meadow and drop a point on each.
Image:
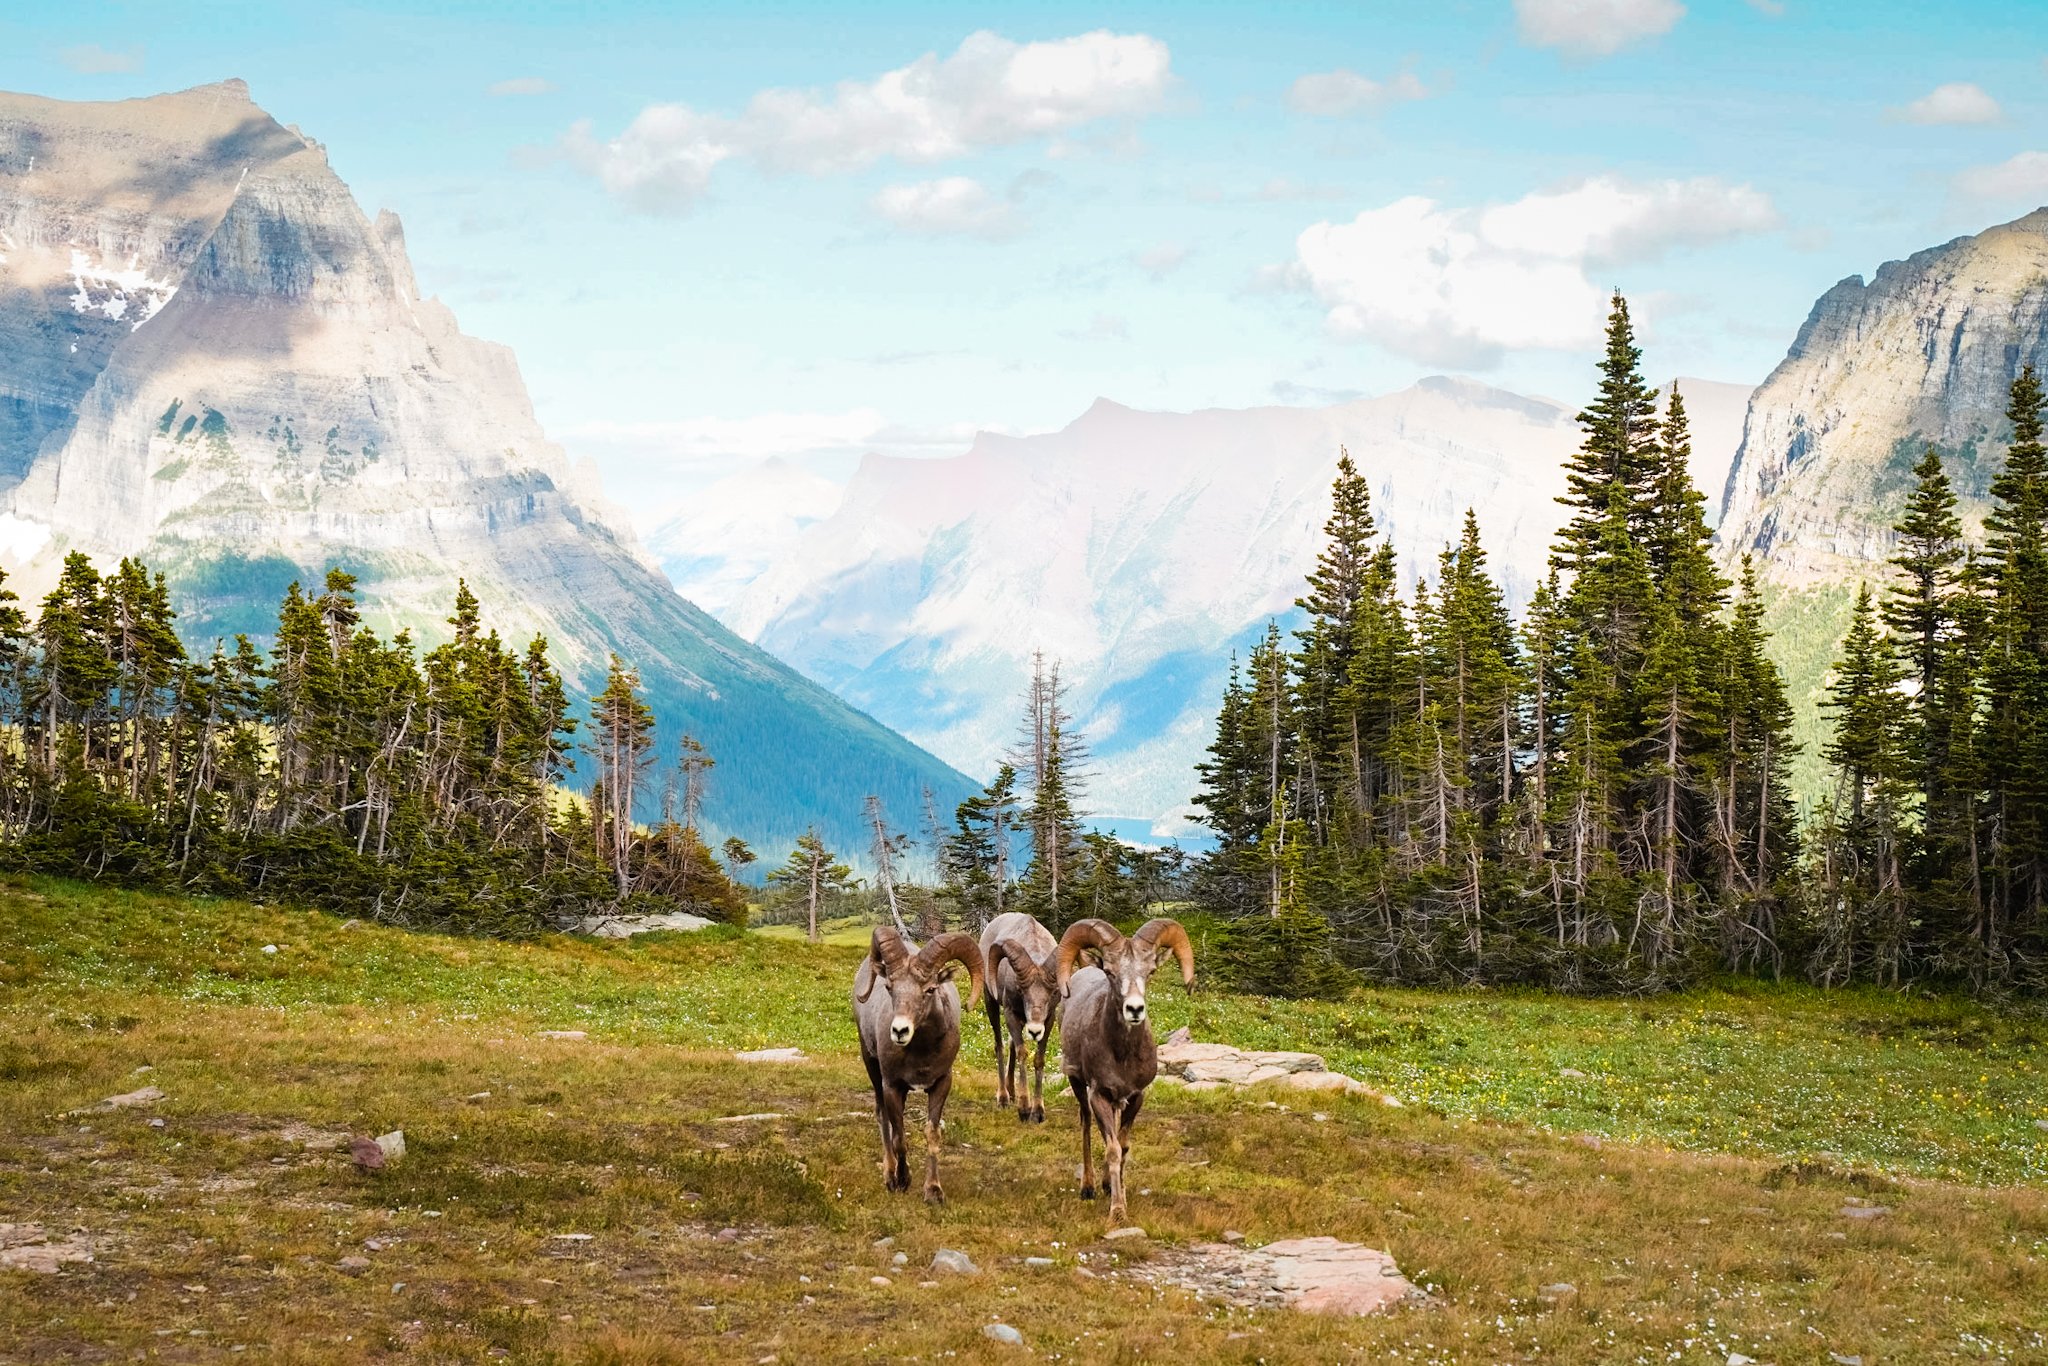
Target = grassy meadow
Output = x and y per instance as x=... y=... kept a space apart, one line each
x=1685 y=1164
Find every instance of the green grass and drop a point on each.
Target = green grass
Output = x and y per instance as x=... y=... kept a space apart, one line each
x=1690 y=1184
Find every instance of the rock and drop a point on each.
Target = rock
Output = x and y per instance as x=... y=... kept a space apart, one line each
x=1180 y=1036
x=156 y=1124
x=626 y=926
x=771 y=1055
x=27 y=1247
x=1572 y=1072
x=350 y=924
x=1323 y=1081
x=2041 y=1124
x=744 y=1119
x=379 y=1244
x=563 y=1034
x=1003 y=1333
x=1841 y=1360
x=354 y=1263
x=367 y=1153
x=900 y=1259
x=880 y=1280
x=393 y=1144
x=1038 y=1263
x=1865 y=1211
x=572 y=1237
x=1128 y=1231
x=883 y=1244
x=148 y=1095
x=478 y=1095
x=1200 y=1062
x=726 y=1235
x=1326 y=1276
x=1738 y=1359
x=1231 y=1235
x=1553 y=1293
x=953 y=1263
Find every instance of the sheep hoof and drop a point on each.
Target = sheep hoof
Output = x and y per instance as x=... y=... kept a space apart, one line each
x=1087 y=1192
x=934 y=1196
x=1024 y=1114
x=1038 y=1114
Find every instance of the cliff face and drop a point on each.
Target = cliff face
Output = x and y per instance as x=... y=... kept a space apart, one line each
x=210 y=357
x=1922 y=354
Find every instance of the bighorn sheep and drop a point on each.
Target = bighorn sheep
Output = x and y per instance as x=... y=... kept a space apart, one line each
x=1022 y=963
x=1106 y=1046
x=909 y=1036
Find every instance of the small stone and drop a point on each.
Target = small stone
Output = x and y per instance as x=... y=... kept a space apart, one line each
x=1003 y=1333
x=1571 y=1072
x=1128 y=1231
x=1865 y=1211
x=1738 y=1359
x=927 y=1285
x=884 y=1244
x=900 y=1259
x=953 y=1263
x=350 y=924
x=393 y=1144
x=367 y=1153
x=379 y=1244
x=563 y=1034
x=397 y=1286
x=1180 y=1036
x=572 y=1237
x=1038 y=1263
x=880 y=1280
x=478 y=1095
x=354 y=1263
x=270 y=948
x=1561 y=1290
x=726 y=1235
x=771 y=1055
x=1841 y=1360
x=757 y=1117
x=1231 y=1235
x=156 y=1124
x=2041 y=1124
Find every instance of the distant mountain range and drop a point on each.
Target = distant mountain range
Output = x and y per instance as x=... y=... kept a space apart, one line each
x=211 y=358
x=1137 y=548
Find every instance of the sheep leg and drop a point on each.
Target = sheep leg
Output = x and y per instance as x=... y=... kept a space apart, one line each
x=895 y=1168
x=934 y=1113
x=995 y=1028
x=1109 y=1118
x=1124 y=1126
x=1087 y=1157
x=1038 y=1081
x=1009 y=1096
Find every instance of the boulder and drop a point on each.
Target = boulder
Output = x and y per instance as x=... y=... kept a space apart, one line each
x=626 y=926
x=954 y=1263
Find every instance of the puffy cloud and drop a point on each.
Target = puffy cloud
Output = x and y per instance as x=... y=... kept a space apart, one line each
x=90 y=59
x=1332 y=94
x=1957 y=102
x=990 y=92
x=1594 y=28
x=2024 y=177
x=949 y=206
x=1458 y=286
x=521 y=85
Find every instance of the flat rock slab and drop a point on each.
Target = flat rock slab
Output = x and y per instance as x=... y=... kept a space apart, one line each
x=771 y=1055
x=27 y=1247
x=1313 y=1275
x=626 y=926
x=1208 y=1066
x=148 y=1095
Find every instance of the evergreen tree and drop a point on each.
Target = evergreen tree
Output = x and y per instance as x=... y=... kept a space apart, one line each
x=622 y=744
x=814 y=875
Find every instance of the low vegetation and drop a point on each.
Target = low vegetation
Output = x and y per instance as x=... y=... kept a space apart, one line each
x=1684 y=1164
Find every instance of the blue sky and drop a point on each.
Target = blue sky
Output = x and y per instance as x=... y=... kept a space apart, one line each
x=1147 y=202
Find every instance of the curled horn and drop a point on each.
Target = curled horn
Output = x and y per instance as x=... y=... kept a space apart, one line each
x=953 y=947
x=1082 y=934
x=885 y=950
x=1168 y=934
x=1020 y=959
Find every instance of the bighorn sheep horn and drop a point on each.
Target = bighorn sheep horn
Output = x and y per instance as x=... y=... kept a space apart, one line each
x=1168 y=934
x=885 y=950
x=952 y=947
x=1020 y=959
x=1084 y=934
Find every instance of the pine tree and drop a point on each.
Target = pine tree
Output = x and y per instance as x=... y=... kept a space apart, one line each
x=815 y=874
x=622 y=743
x=1864 y=916
x=976 y=858
x=1344 y=576
x=1621 y=452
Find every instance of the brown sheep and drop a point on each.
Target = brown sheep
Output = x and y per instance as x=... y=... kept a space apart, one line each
x=909 y=1036
x=1021 y=956
x=1106 y=1045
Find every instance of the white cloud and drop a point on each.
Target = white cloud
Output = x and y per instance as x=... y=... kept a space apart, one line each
x=522 y=85
x=1958 y=102
x=1458 y=286
x=990 y=92
x=1102 y=327
x=1594 y=28
x=1160 y=259
x=90 y=59
x=2024 y=177
x=1332 y=94
x=949 y=206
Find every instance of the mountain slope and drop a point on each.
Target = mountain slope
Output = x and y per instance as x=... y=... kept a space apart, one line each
x=211 y=358
x=1138 y=548
x=1921 y=355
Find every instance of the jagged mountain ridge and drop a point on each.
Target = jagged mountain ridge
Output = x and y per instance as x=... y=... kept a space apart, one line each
x=1922 y=354
x=210 y=357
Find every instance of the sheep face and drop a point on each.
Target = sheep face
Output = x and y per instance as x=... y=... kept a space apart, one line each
x=1129 y=967
x=913 y=980
x=913 y=996
x=1128 y=962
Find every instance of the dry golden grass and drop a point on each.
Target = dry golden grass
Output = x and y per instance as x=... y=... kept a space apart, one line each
x=225 y=1230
